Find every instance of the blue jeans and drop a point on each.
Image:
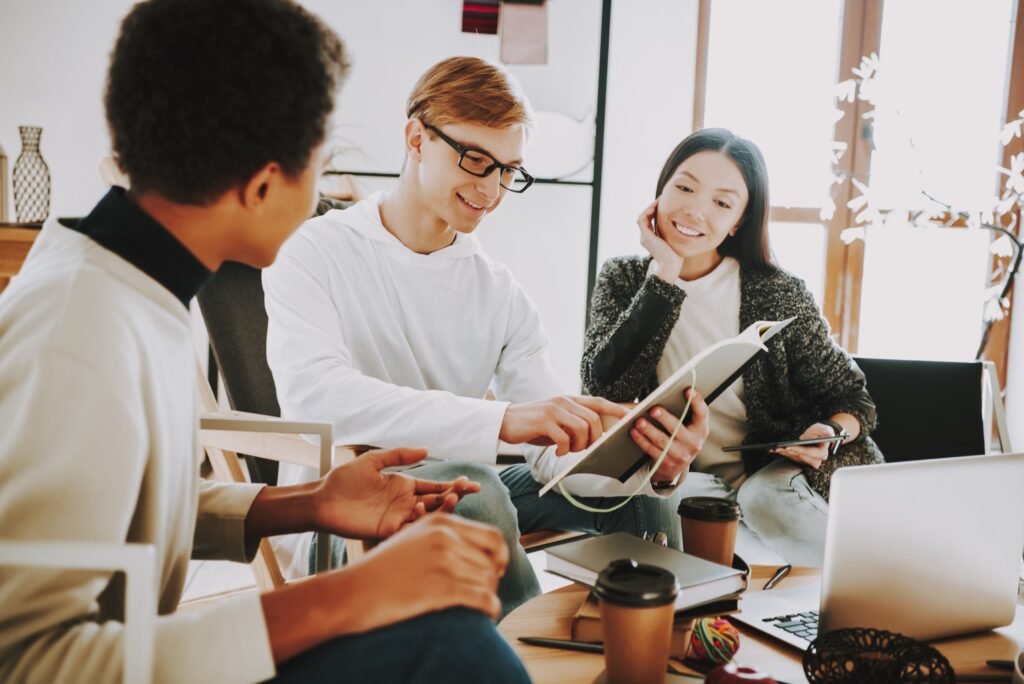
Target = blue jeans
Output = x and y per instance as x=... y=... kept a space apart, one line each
x=456 y=645
x=490 y=505
x=780 y=510
x=642 y=515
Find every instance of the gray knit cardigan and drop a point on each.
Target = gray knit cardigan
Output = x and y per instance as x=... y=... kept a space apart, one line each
x=804 y=378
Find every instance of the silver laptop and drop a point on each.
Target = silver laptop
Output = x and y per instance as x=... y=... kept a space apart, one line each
x=924 y=548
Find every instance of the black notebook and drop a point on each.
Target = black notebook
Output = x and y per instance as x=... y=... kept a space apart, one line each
x=700 y=581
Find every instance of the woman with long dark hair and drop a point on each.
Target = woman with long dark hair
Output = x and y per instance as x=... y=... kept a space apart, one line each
x=710 y=274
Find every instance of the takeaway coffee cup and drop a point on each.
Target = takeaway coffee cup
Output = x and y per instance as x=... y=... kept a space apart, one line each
x=709 y=527
x=637 y=604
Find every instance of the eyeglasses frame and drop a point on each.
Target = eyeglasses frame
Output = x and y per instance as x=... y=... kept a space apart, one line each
x=462 y=150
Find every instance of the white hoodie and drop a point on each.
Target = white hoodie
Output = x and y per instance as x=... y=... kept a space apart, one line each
x=398 y=349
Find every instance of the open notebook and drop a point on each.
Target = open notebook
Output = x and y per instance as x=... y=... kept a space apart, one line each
x=616 y=455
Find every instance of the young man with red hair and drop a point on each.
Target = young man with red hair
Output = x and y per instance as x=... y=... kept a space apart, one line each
x=390 y=321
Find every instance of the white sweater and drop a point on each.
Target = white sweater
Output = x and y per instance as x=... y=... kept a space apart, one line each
x=398 y=349
x=98 y=442
x=710 y=313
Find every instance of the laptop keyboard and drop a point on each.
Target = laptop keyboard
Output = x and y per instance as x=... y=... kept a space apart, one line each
x=801 y=625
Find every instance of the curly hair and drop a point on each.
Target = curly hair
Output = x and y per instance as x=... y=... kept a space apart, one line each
x=201 y=94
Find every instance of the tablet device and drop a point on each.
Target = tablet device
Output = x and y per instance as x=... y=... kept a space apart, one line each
x=785 y=443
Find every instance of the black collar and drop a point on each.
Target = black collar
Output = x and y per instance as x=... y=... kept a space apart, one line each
x=121 y=226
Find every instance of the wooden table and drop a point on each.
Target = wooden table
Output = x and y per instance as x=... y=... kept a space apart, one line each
x=550 y=615
x=14 y=246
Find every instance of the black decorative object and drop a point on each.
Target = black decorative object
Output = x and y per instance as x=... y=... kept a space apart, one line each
x=31 y=178
x=873 y=656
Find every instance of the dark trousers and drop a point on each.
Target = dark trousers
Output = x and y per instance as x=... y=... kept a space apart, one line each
x=456 y=645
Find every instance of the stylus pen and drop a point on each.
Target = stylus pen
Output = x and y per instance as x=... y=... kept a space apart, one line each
x=564 y=644
x=777 y=577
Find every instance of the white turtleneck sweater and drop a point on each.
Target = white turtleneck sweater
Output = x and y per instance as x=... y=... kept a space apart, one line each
x=710 y=313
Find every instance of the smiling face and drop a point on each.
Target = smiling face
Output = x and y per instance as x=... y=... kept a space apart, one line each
x=700 y=206
x=455 y=196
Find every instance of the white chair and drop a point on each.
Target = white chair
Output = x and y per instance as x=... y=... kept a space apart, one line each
x=136 y=561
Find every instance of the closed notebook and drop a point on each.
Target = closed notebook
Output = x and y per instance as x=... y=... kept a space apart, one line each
x=700 y=581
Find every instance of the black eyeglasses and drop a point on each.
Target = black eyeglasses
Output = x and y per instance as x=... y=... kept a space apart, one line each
x=481 y=164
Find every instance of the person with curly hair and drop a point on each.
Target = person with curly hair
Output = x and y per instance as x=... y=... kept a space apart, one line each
x=218 y=112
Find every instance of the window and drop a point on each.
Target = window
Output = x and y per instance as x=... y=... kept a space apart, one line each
x=946 y=82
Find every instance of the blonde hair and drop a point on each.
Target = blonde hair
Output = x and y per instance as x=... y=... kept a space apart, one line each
x=472 y=90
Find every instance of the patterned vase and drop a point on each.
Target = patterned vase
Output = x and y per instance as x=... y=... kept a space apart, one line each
x=31 y=178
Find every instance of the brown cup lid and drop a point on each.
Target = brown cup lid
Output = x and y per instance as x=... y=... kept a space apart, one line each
x=625 y=582
x=710 y=509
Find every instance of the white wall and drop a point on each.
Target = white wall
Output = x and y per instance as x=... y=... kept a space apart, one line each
x=53 y=59
x=53 y=56
x=392 y=42
x=649 y=110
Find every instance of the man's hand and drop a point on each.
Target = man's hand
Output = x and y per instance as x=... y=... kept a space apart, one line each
x=652 y=433
x=358 y=501
x=570 y=423
x=440 y=562
x=812 y=455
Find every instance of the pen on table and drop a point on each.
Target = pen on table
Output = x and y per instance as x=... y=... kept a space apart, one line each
x=1000 y=664
x=563 y=643
x=777 y=577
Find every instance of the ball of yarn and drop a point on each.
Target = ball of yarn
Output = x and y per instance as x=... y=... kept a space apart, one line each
x=714 y=640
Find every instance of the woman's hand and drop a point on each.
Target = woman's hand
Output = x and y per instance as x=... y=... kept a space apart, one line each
x=359 y=501
x=652 y=438
x=668 y=264
x=812 y=455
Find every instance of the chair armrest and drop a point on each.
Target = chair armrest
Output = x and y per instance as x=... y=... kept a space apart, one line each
x=137 y=561
x=274 y=438
x=252 y=423
x=277 y=439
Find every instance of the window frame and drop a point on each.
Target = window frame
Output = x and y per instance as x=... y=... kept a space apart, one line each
x=861 y=32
